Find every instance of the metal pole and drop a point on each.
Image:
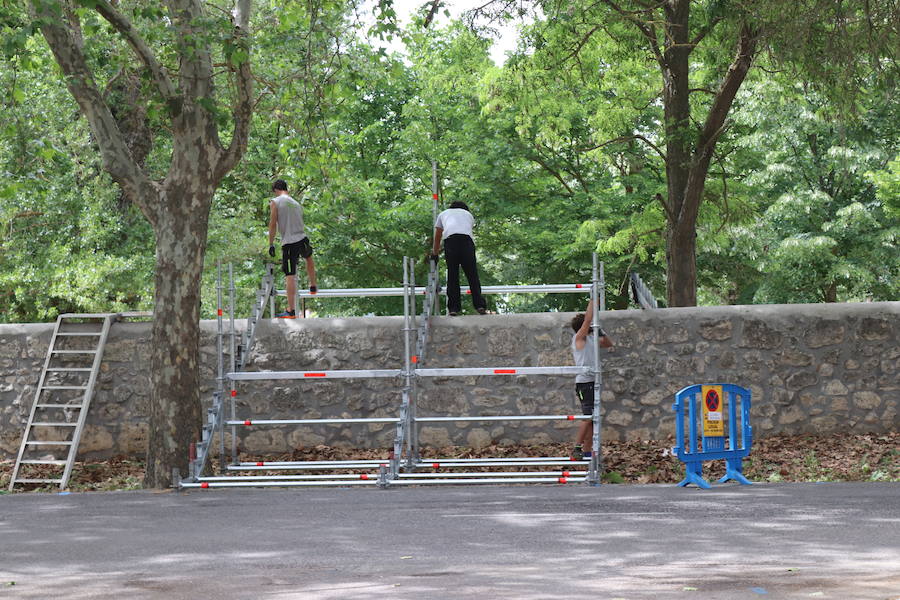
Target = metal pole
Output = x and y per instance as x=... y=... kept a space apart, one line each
x=233 y=390
x=408 y=396
x=596 y=462
x=220 y=381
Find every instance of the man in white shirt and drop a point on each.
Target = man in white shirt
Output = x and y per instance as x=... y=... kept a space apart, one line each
x=287 y=217
x=454 y=226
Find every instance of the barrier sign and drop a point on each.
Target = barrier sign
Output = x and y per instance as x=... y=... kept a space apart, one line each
x=713 y=425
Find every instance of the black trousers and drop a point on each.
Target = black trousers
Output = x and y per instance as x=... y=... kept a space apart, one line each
x=459 y=251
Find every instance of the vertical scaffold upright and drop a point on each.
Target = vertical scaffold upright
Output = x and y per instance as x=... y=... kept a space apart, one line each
x=395 y=469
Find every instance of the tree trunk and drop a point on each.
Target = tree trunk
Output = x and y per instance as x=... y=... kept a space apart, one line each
x=681 y=270
x=175 y=410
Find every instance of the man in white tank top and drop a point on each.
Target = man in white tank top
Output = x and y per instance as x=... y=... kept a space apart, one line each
x=583 y=353
x=287 y=217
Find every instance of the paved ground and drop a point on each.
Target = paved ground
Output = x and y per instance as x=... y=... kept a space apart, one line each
x=832 y=541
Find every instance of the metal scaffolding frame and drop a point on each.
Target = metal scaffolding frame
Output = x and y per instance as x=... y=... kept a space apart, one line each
x=404 y=465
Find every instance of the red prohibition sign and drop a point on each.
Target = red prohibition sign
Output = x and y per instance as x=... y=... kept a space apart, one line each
x=712 y=401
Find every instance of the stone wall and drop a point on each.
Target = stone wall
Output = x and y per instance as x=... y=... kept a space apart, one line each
x=812 y=368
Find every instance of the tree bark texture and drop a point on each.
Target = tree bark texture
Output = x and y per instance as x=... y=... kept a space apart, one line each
x=177 y=207
x=688 y=151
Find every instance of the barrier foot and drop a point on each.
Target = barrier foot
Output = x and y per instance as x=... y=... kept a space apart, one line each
x=733 y=474
x=693 y=475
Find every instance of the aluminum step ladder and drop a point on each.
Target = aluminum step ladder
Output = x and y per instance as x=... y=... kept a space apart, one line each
x=263 y=297
x=63 y=396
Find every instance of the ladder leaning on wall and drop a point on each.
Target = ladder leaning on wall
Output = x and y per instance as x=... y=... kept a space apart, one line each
x=62 y=398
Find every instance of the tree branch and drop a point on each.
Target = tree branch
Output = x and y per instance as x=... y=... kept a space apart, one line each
x=242 y=112
x=625 y=138
x=114 y=153
x=121 y=24
x=716 y=121
x=647 y=30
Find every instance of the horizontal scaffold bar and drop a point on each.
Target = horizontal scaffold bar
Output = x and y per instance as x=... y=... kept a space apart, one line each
x=237 y=483
x=476 y=371
x=551 y=288
x=281 y=463
x=494 y=474
x=502 y=480
x=313 y=375
x=537 y=463
x=341 y=476
x=250 y=422
x=306 y=467
x=506 y=418
x=508 y=459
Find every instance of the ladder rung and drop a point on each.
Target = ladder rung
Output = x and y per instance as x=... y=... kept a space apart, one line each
x=68 y=406
x=73 y=351
x=46 y=443
x=42 y=462
x=53 y=424
x=31 y=480
x=69 y=369
x=58 y=333
x=64 y=387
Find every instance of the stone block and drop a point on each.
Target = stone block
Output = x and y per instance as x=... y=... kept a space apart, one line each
x=618 y=417
x=95 y=438
x=835 y=387
x=801 y=379
x=478 y=438
x=264 y=441
x=824 y=333
x=759 y=334
x=795 y=358
x=436 y=437
x=792 y=415
x=718 y=329
x=874 y=328
x=866 y=400
x=132 y=439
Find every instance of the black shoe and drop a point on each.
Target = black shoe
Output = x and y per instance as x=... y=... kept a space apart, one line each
x=313 y=289
x=482 y=311
x=453 y=314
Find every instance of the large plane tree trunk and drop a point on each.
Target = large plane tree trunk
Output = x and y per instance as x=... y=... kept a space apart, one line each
x=177 y=207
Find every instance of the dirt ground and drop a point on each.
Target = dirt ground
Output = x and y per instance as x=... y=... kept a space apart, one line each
x=865 y=457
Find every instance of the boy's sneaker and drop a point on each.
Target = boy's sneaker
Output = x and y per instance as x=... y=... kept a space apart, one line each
x=313 y=289
x=588 y=455
x=288 y=314
x=577 y=453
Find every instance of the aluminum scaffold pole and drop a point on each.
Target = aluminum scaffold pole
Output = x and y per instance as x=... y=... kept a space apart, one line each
x=598 y=299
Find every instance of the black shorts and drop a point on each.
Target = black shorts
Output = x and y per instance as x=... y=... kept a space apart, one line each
x=585 y=393
x=291 y=253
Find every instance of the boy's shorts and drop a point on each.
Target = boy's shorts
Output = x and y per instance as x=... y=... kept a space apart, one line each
x=585 y=393
x=291 y=253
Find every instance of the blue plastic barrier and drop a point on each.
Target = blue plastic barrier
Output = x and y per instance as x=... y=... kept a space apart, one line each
x=707 y=401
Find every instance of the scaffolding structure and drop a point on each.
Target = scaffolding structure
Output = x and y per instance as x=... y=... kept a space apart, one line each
x=404 y=465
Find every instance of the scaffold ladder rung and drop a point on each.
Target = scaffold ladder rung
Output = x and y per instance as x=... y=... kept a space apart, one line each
x=36 y=480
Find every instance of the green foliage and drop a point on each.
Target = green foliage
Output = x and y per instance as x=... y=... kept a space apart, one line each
x=557 y=153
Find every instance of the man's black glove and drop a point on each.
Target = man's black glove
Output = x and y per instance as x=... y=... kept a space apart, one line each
x=434 y=258
x=272 y=250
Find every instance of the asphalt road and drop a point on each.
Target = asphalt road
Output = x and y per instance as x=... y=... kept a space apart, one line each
x=831 y=541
